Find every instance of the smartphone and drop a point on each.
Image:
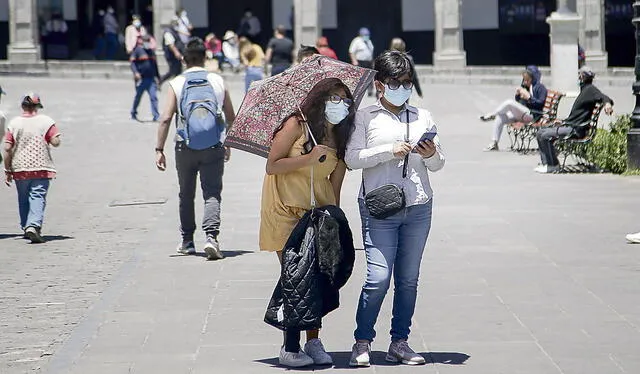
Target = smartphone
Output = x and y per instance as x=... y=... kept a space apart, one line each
x=427 y=136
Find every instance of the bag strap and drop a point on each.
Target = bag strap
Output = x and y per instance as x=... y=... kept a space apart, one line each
x=313 y=192
x=406 y=158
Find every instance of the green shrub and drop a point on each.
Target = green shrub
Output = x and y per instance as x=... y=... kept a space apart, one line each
x=608 y=150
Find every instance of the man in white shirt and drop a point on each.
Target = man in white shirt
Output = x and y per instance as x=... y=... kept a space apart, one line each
x=208 y=162
x=361 y=51
x=184 y=26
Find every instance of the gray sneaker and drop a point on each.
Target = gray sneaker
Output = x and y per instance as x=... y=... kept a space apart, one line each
x=399 y=351
x=212 y=249
x=186 y=247
x=360 y=354
x=33 y=234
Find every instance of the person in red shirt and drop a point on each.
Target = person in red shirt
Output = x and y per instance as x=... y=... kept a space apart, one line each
x=214 y=49
x=28 y=162
x=323 y=47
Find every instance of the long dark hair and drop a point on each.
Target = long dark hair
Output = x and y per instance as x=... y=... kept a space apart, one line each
x=313 y=108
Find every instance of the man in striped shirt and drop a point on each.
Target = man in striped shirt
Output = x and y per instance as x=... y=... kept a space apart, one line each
x=146 y=75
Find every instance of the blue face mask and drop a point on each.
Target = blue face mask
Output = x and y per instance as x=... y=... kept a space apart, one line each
x=335 y=112
x=397 y=97
x=366 y=38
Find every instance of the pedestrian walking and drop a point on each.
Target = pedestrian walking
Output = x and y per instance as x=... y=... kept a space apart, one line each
x=97 y=29
x=173 y=49
x=279 y=51
x=322 y=44
x=395 y=202
x=286 y=191
x=111 y=30
x=252 y=57
x=202 y=105
x=133 y=32
x=184 y=26
x=397 y=44
x=250 y=26
x=574 y=125
x=145 y=73
x=3 y=121
x=28 y=162
x=361 y=51
x=527 y=106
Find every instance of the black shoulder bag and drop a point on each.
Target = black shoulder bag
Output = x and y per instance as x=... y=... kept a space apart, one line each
x=388 y=199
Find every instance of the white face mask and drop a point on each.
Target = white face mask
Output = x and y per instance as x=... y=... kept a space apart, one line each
x=137 y=24
x=335 y=112
x=397 y=97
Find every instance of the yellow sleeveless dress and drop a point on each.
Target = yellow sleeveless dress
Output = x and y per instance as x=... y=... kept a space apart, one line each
x=287 y=197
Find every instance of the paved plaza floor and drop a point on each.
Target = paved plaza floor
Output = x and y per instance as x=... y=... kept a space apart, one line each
x=523 y=273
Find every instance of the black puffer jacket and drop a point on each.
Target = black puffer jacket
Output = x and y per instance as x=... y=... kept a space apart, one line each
x=316 y=262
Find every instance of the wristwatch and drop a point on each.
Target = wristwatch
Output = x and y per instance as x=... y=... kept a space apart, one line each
x=159 y=149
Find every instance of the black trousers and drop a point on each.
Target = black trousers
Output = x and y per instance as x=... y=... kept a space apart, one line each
x=175 y=69
x=209 y=163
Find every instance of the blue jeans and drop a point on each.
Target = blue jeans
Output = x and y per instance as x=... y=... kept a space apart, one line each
x=32 y=199
x=393 y=246
x=149 y=85
x=252 y=74
x=111 y=45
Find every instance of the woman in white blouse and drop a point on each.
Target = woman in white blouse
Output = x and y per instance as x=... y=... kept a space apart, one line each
x=393 y=245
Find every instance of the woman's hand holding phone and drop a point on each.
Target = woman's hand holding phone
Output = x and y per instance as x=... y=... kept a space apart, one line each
x=425 y=147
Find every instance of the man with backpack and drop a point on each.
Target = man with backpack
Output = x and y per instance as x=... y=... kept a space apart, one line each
x=173 y=48
x=203 y=109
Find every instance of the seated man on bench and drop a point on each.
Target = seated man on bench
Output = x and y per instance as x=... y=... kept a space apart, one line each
x=573 y=125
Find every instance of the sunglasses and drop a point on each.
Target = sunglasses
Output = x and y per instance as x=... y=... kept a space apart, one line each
x=337 y=99
x=394 y=84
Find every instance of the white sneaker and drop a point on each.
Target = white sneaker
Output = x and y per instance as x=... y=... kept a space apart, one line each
x=633 y=238
x=293 y=359
x=360 y=354
x=399 y=351
x=493 y=146
x=546 y=169
x=314 y=349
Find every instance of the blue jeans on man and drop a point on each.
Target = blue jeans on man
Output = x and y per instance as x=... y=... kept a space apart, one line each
x=111 y=45
x=146 y=85
x=394 y=246
x=32 y=199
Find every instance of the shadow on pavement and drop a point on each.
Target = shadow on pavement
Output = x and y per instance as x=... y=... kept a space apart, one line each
x=10 y=236
x=55 y=238
x=341 y=359
x=447 y=358
x=226 y=253
x=273 y=362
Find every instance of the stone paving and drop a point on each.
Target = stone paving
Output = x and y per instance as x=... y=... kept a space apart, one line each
x=523 y=273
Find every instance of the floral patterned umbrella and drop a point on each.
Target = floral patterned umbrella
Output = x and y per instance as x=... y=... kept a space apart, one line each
x=269 y=101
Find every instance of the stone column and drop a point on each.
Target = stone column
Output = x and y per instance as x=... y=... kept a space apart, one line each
x=23 y=32
x=163 y=11
x=449 y=51
x=564 y=25
x=307 y=28
x=592 y=36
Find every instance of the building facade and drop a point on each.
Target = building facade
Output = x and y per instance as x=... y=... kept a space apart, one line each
x=440 y=32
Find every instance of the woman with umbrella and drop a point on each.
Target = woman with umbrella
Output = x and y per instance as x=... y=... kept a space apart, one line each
x=286 y=193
